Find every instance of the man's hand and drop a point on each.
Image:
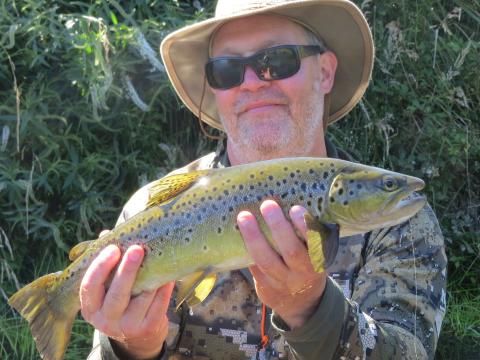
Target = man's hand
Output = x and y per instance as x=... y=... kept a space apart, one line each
x=138 y=325
x=284 y=280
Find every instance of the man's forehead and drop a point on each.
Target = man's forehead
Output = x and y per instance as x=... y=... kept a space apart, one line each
x=255 y=32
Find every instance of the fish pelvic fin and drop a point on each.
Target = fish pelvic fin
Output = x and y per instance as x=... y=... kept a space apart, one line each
x=322 y=242
x=49 y=313
x=166 y=188
x=195 y=288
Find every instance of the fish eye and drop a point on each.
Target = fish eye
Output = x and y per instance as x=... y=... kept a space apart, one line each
x=390 y=183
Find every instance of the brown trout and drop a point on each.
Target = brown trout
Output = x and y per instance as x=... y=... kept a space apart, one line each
x=189 y=232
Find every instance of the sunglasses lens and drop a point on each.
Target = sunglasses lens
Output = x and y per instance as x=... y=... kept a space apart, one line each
x=224 y=73
x=277 y=63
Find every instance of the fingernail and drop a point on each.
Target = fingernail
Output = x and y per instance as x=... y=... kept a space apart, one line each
x=134 y=256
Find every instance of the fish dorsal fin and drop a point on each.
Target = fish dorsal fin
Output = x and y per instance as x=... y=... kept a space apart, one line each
x=322 y=241
x=79 y=249
x=166 y=188
x=195 y=287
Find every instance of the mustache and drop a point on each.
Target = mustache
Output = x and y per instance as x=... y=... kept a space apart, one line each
x=271 y=96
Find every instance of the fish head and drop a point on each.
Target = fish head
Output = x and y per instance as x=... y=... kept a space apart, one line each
x=363 y=198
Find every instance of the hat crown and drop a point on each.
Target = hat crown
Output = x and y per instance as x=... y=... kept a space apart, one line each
x=229 y=8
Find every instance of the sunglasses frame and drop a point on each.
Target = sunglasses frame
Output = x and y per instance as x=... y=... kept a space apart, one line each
x=259 y=62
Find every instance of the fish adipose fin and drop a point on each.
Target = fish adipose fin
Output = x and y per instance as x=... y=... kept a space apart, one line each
x=79 y=249
x=322 y=241
x=49 y=313
x=195 y=288
x=166 y=188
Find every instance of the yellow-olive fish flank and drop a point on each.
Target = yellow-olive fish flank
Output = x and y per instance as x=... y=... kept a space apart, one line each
x=189 y=231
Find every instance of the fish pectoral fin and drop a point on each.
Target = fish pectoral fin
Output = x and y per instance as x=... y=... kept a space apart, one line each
x=322 y=241
x=79 y=249
x=166 y=188
x=195 y=288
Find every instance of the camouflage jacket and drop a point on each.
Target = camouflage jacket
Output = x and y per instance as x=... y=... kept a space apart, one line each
x=384 y=299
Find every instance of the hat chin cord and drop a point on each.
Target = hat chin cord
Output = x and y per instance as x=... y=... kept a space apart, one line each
x=202 y=126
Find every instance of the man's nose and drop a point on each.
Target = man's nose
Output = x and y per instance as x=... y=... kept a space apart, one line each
x=251 y=82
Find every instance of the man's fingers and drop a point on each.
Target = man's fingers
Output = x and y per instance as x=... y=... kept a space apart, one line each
x=258 y=247
x=291 y=248
x=296 y=214
x=159 y=306
x=92 y=288
x=118 y=295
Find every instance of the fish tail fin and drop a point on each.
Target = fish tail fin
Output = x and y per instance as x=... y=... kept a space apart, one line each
x=49 y=313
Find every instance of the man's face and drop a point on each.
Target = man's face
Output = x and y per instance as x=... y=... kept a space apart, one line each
x=270 y=119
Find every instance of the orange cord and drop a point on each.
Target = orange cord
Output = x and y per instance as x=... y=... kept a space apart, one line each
x=265 y=338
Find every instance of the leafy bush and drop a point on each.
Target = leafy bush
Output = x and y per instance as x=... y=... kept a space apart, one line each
x=87 y=116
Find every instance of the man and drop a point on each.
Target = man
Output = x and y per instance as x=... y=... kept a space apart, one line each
x=384 y=297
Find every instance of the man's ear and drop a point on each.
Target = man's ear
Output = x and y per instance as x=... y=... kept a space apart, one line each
x=328 y=65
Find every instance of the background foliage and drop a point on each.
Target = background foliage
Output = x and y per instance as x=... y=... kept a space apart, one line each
x=87 y=116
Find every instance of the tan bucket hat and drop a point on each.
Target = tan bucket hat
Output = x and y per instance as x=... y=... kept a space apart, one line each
x=339 y=23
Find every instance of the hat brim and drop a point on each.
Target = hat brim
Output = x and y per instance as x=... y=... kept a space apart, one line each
x=340 y=24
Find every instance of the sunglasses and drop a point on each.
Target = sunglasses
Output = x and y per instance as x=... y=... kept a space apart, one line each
x=274 y=63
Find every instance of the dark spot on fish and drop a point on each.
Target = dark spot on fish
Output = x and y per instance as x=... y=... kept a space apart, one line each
x=199 y=217
x=325 y=174
x=150 y=219
x=292 y=175
x=336 y=184
x=177 y=207
x=205 y=248
x=219 y=198
x=241 y=187
x=332 y=164
x=210 y=198
x=122 y=234
x=160 y=253
x=235 y=198
x=166 y=214
x=285 y=168
x=190 y=230
x=284 y=181
x=236 y=227
x=224 y=218
x=259 y=183
x=252 y=187
x=202 y=198
x=303 y=187
x=322 y=187
x=284 y=195
x=214 y=207
x=340 y=191
x=187 y=239
x=298 y=171
x=204 y=209
x=345 y=203
x=252 y=176
x=270 y=177
x=351 y=181
x=259 y=198
x=194 y=195
x=350 y=192
x=292 y=191
x=301 y=198
x=226 y=192
x=195 y=206
x=233 y=187
x=230 y=209
x=279 y=183
x=332 y=200
x=296 y=182
x=309 y=203
x=228 y=181
x=188 y=215
x=310 y=171
x=189 y=202
x=219 y=230
x=245 y=198
x=359 y=186
x=271 y=192
x=332 y=170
